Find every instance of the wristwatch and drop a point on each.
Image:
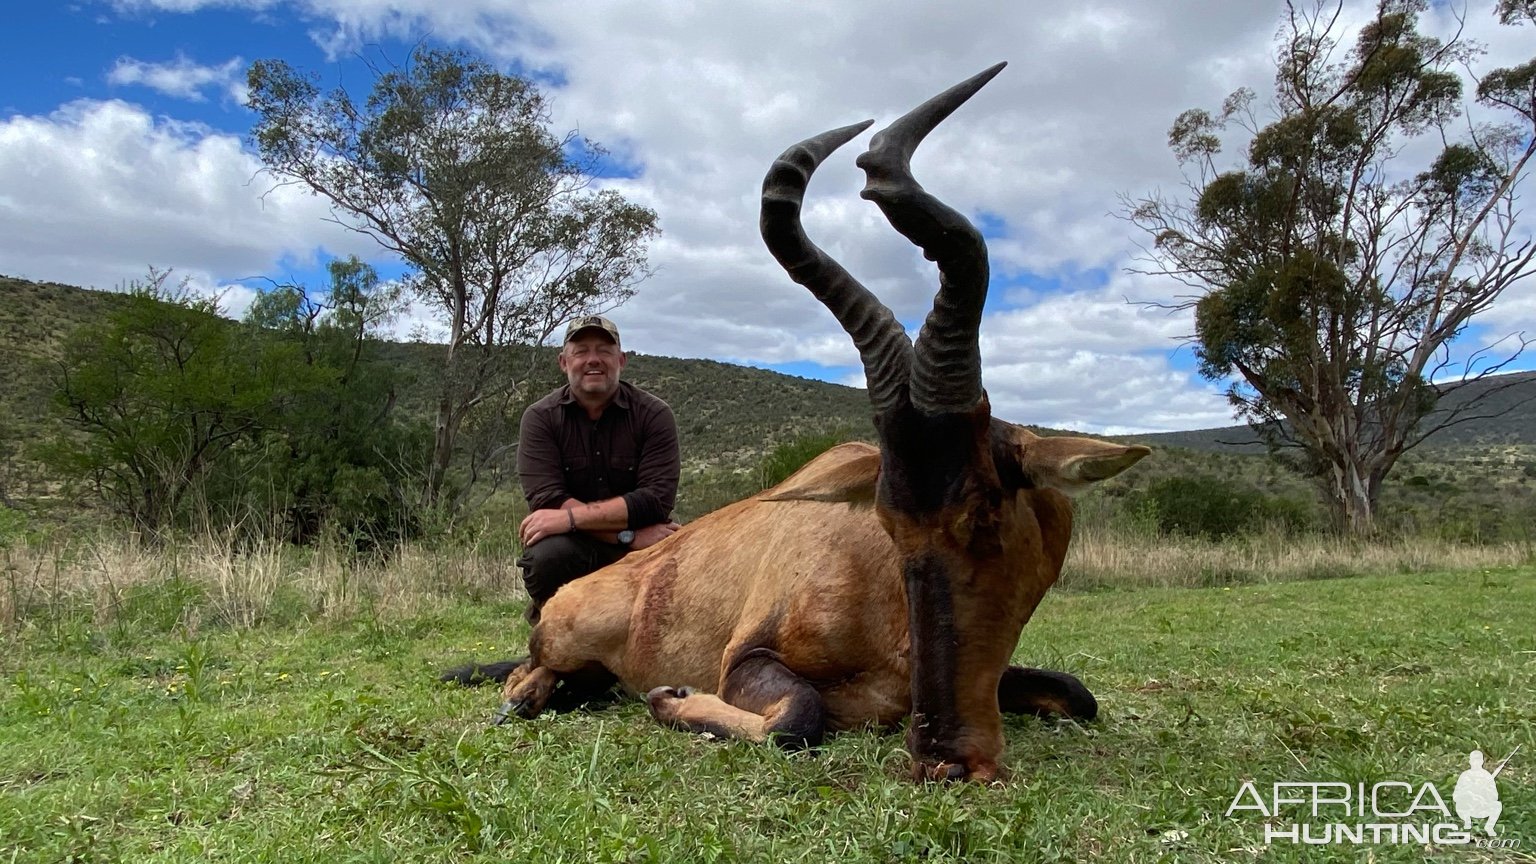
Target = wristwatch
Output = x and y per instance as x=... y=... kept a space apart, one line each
x=626 y=537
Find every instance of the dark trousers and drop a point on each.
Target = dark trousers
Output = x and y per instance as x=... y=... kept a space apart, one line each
x=554 y=561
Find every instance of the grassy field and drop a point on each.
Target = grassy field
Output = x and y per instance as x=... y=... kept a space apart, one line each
x=158 y=723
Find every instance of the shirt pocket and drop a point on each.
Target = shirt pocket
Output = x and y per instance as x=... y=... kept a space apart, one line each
x=623 y=475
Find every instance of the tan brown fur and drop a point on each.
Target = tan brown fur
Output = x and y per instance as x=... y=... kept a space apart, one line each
x=809 y=570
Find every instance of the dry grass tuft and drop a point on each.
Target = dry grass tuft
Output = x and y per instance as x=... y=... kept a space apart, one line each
x=241 y=586
x=1100 y=558
x=217 y=581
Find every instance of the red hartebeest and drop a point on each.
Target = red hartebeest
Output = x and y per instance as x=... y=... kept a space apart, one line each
x=876 y=583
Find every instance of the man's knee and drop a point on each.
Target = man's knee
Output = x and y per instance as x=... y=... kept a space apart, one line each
x=551 y=563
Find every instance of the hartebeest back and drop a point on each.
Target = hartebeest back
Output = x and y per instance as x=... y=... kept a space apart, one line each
x=876 y=583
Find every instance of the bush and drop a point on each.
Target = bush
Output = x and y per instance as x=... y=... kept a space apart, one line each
x=1209 y=507
x=1292 y=515
x=792 y=455
x=13 y=526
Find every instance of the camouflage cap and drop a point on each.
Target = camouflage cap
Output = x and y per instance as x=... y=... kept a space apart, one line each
x=589 y=322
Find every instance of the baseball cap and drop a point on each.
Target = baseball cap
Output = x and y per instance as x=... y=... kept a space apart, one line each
x=589 y=322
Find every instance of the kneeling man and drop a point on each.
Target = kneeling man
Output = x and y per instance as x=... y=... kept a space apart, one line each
x=599 y=464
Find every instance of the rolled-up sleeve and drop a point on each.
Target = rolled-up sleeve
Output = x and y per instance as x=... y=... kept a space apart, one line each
x=660 y=464
x=538 y=461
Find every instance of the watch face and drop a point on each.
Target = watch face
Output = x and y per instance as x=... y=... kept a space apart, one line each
x=626 y=537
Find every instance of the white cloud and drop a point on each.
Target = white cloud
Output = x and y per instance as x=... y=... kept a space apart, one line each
x=182 y=78
x=703 y=96
x=132 y=6
x=96 y=192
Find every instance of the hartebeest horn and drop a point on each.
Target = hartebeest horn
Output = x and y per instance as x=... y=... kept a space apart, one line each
x=946 y=367
x=882 y=341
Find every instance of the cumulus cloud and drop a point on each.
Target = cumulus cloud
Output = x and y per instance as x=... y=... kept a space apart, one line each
x=97 y=191
x=182 y=78
x=701 y=97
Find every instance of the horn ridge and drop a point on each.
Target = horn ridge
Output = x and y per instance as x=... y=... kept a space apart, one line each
x=946 y=365
x=882 y=342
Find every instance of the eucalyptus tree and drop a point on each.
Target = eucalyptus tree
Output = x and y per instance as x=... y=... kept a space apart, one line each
x=1374 y=213
x=450 y=164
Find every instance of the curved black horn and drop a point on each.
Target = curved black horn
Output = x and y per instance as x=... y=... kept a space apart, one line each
x=881 y=340
x=946 y=369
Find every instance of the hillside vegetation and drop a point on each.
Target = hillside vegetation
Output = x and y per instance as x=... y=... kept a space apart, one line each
x=727 y=415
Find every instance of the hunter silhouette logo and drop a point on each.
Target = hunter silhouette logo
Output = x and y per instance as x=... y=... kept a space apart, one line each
x=1477 y=795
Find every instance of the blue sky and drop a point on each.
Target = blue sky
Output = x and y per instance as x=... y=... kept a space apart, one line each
x=121 y=147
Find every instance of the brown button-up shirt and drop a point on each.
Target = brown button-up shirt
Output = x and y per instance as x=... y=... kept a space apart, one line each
x=631 y=450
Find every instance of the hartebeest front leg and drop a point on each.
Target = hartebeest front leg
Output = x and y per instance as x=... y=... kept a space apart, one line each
x=583 y=628
x=760 y=699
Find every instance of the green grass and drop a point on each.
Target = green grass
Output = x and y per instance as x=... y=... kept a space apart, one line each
x=142 y=741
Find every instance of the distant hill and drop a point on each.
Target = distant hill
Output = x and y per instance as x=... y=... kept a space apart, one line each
x=729 y=415
x=1506 y=416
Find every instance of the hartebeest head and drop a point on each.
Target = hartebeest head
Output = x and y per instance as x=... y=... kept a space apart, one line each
x=970 y=502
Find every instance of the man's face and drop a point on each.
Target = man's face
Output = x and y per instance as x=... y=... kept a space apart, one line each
x=591 y=362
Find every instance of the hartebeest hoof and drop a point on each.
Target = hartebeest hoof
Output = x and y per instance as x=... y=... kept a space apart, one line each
x=954 y=772
x=662 y=701
x=524 y=708
x=503 y=713
x=527 y=693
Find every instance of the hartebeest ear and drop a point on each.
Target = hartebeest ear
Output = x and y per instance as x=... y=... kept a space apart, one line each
x=1066 y=463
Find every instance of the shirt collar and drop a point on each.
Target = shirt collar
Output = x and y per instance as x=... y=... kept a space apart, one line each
x=620 y=398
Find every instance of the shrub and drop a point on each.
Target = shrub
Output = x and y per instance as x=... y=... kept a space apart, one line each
x=13 y=526
x=1203 y=506
x=1291 y=515
x=1198 y=506
x=792 y=455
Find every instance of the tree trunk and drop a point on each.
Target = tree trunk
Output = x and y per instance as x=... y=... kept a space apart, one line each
x=1352 y=500
x=443 y=434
